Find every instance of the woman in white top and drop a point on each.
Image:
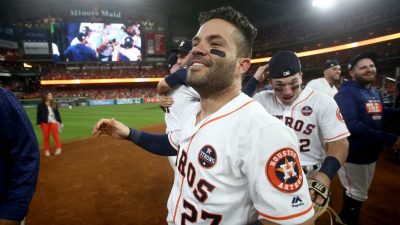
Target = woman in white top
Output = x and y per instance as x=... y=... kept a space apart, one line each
x=49 y=120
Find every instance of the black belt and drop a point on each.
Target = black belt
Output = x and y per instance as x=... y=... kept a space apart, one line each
x=305 y=168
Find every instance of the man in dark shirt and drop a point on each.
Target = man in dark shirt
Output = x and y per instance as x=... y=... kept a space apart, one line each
x=80 y=52
x=19 y=160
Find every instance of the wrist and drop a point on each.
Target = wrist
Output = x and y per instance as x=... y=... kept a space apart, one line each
x=330 y=166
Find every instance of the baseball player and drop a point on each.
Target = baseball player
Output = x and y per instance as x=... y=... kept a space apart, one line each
x=314 y=116
x=181 y=96
x=235 y=162
x=363 y=111
x=80 y=52
x=326 y=84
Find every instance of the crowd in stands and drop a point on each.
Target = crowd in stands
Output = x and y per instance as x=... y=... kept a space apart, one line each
x=98 y=93
x=374 y=22
x=61 y=73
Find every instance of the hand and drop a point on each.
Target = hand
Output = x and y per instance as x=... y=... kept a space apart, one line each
x=261 y=73
x=9 y=222
x=396 y=146
x=323 y=178
x=111 y=127
x=174 y=68
x=165 y=101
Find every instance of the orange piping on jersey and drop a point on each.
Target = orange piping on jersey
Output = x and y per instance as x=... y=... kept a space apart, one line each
x=312 y=92
x=172 y=142
x=327 y=139
x=190 y=142
x=286 y=217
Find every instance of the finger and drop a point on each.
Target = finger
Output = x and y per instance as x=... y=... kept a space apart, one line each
x=312 y=195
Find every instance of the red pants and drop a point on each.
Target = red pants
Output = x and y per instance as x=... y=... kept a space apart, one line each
x=46 y=129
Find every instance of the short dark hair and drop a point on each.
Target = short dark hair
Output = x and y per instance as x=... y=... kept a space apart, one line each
x=247 y=30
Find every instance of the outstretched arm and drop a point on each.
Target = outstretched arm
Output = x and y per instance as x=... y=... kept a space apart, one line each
x=155 y=143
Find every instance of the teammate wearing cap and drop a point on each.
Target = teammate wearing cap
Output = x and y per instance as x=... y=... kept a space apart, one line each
x=80 y=52
x=176 y=99
x=235 y=163
x=326 y=84
x=362 y=109
x=314 y=116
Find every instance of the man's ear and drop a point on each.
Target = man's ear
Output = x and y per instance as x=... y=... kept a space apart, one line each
x=244 y=65
x=352 y=74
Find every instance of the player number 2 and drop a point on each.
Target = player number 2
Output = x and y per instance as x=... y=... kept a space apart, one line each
x=215 y=219
x=304 y=143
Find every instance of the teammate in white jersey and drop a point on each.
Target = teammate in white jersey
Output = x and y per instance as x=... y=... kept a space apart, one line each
x=326 y=84
x=313 y=115
x=235 y=162
x=181 y=96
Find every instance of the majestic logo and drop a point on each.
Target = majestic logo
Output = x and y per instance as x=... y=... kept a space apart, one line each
x=286 y=73
x=339 y=115
x=296 y=202
x=283 y=170
x=306 y=110
x=207 y=156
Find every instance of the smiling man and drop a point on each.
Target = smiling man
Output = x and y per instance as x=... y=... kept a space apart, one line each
x=313 y=115
x=235 y=163
x=363 y=111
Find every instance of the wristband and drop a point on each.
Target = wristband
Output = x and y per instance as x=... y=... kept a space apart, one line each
x=134 y=135
x=330 y=166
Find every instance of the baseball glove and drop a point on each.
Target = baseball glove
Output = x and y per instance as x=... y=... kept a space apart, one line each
x=322 y=190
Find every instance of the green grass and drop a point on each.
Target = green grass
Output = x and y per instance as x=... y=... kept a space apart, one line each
x=79 y=121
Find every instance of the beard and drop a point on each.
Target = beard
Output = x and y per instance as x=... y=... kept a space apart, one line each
x=214 y=81
x=365 y=80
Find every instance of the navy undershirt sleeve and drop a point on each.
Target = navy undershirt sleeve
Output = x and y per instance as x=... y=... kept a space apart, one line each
x=177 y=78
x=251 y=87
x=155 y=143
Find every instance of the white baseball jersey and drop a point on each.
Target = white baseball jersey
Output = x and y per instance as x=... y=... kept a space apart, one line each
x=322 y=85
x=183 y=97
x=314 y=116
x=235 y=165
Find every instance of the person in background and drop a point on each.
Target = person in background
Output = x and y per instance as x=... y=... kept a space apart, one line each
x=19 y=160
x=326 y=84
x=362 y=108
x=49 y=120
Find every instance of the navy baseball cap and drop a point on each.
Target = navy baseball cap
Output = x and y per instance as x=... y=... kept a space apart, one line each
x=184 y=47
x=128 y=42
x=81 y=36
x=172 y=59
x=367 y=55
x=283 y=64
x=331 y=63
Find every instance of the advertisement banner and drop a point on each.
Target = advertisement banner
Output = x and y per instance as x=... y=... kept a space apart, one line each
x=150 y=100
x=8 y=44
x=35 y=34
x=36 y=48
x=128 y=101
x=8 y=36
x=7 y=32
x=155 y=43
x=101 y=102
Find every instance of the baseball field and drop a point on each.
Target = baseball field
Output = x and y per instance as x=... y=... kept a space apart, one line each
x=103 y=181
x=79 y=121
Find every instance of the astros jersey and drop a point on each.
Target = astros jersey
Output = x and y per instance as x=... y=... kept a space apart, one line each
x=237 y=164
x=183 y=97
x=322 y=85
x=314 y=116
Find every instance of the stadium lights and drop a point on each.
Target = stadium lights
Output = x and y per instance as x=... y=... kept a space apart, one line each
x=26 y=65
x=322 y=4
x=100 y=81
x=338 y=47
x=391 y=79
